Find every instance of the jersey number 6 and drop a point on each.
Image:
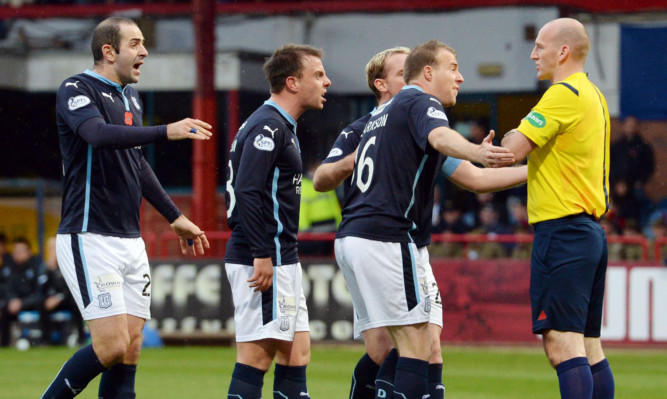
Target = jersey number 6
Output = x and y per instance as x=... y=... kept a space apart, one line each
x=363 y=163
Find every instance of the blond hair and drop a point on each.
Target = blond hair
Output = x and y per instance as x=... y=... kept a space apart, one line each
x=375 y=67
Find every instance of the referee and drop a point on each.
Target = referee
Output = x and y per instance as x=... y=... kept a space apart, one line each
x=567 y=137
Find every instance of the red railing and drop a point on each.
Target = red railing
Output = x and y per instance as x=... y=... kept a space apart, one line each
x=167 y=245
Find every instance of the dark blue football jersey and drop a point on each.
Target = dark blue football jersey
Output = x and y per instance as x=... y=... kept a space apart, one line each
x=264 y=188
x=345 y=144
x=101 y=186
x=395 y=170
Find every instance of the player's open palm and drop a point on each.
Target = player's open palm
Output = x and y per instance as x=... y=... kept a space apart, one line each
x=189 y=128
x=262 y=278
x=192 y=239
x=495 y=156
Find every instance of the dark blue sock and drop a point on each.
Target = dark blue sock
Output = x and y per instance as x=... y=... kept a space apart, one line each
x=435 y=387
x=363 y=378
x=290 y=382
x=603 y=380
x=75 y=375
x=247 y=382
x=384 y=382
x=575 y=379
x=411 y=381
x=118 y=382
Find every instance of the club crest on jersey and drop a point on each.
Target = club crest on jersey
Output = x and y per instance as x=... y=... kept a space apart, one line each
x=436 y=113
x=284 y=323
x=335 y=152
x=264 y=143
x=77 y=102
x=104 y=300
x=136 y=103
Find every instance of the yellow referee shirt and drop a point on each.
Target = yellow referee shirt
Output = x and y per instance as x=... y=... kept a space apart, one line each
x=568 y=172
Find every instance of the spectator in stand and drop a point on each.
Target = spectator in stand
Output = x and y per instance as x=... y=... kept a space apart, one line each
x=319 y=212
x=56 y=296
x=518 y=215
x=632 y=157
x=658 y=231
x=626 y=204
x=632 y=251
x=22 y=286
x=615 y=248
x=450 y=222
x=490 y=225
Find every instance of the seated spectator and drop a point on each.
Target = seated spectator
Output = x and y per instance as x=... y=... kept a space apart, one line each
x=615 y=249
x=518 y=215
x=57 y=298
x=627 y=206
x=490 y=225
x=22 y=286
x=632 y=251
x=450 y=222
x=659 y=231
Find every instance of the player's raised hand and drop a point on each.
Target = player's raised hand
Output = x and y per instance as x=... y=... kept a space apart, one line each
x=262 y=278
x=189 y=128
x=494 y=156
x=191 y=238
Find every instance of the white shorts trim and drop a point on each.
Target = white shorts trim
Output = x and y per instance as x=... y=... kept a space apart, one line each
x=276 y=313
x=387 y=282
x=106 y=275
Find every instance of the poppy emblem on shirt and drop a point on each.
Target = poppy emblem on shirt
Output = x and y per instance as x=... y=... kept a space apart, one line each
x=128 y=118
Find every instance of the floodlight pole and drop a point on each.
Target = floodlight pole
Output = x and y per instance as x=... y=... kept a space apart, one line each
x=204 y=106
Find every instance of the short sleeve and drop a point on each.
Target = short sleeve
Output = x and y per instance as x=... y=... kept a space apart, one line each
x=557 y=112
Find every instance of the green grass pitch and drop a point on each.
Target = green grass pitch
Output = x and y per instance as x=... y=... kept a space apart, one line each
x=469 y=372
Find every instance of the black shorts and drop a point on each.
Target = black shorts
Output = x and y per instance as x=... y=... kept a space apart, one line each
x=567 y=275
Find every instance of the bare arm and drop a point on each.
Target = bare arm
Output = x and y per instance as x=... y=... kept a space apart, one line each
x=449 y=142
x=484 y=180
x=518 y=144
x=328 y=176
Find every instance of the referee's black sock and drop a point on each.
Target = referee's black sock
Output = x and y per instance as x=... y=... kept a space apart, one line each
x=575 y=378
x=290 y=382
x=603 y=380
x=363 y=378
x=118 y=382
x=247 y=382
x=75 y=375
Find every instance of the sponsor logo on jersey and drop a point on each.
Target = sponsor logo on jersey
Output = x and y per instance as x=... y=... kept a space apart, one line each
x=109 y=96
x=287 y=305
x=72 y=84
x=536 y=119
x=107 y=282
x=345 y=133
x=335 y=152
x=374 y=124
x=77 y=102
x=271 y=131
x=136 y=103
x=263 y=143
x=436 y=113
x=435 y=100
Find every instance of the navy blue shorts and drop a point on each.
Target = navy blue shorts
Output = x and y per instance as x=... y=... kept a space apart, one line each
x=567 y=275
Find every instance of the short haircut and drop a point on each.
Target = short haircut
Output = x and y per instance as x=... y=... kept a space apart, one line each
x=21 y=240
x=375 y=67
x=286 y=61
x=107 y=32
x=421 y=56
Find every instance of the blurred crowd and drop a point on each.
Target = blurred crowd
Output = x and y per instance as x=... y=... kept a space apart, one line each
x=35 y=304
